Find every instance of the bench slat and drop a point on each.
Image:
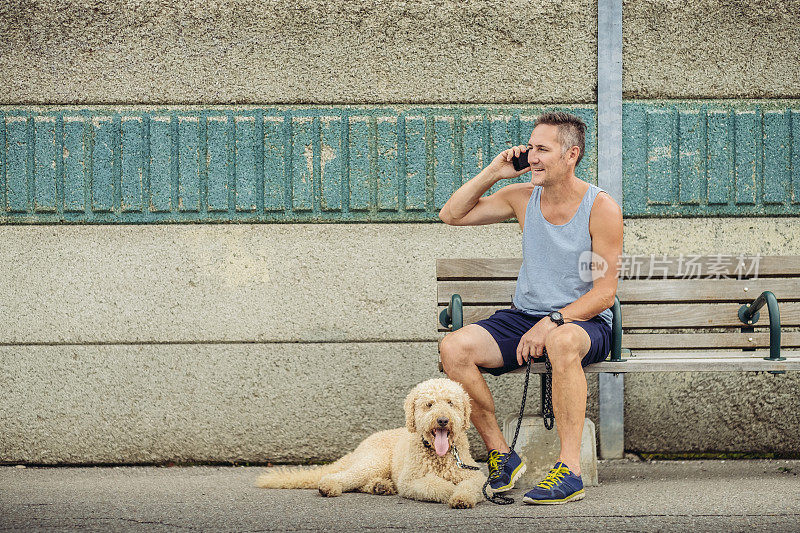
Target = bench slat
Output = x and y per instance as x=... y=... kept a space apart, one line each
x=688 y=364
x=668 y=315
x=704 y=355
x=707 y=340
x=508 y=268
x=633 y=291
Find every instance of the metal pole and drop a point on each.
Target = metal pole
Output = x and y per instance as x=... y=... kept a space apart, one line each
x=609 y=97
x=609 y=177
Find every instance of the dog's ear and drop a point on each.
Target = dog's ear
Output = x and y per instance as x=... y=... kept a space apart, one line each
x=408 y=406
x=465 y=401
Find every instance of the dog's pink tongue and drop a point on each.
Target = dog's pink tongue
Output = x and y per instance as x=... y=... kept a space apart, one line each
x=440 y=442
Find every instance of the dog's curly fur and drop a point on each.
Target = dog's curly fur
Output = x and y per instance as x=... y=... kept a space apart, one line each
x=403 y=461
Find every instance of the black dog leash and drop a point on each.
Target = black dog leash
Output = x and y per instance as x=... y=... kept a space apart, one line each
x=547 y=403
x=547 y=415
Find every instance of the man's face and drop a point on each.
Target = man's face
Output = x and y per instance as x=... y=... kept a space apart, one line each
x=548 y=164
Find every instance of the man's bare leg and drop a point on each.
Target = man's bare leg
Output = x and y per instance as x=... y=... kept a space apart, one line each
x=565 y=350
x=463 y=351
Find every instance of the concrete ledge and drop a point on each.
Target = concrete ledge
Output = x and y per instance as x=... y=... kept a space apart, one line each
x=540 y=448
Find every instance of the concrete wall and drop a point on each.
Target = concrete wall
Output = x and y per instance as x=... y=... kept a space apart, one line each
x=429 y=51
x=710 y=49
x=706 y=412
x=293 y=342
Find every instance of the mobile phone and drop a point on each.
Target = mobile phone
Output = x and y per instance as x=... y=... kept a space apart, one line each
x=520 y=162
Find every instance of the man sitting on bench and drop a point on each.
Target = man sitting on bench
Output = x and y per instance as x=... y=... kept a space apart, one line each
x=559 y=305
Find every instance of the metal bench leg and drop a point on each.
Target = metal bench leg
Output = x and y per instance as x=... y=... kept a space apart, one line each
x=612 y=415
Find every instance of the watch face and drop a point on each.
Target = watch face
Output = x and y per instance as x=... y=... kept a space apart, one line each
x=555 y=315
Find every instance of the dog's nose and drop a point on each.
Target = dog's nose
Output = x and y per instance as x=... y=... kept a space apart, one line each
x=442 y=421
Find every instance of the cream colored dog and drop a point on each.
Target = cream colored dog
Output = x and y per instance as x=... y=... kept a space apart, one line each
x=417 y=461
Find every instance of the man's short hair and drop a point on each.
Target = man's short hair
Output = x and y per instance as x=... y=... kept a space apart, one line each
x=571 y=130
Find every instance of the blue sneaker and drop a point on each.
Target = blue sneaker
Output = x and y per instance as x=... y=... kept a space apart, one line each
x=503 y=480
x=560 y=486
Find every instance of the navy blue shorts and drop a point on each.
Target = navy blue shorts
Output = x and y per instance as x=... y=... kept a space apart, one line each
x=507 y=326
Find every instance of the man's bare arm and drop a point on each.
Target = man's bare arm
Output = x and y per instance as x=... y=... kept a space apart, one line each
x=467 y=207
x=605 y=228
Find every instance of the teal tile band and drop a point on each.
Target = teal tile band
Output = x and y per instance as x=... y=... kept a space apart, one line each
x=727 y=158
x=316 y=164
x=372 y=164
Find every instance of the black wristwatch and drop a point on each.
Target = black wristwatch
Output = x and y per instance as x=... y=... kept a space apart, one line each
x=557 y=317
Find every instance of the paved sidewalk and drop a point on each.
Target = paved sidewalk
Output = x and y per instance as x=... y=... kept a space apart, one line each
x=632 y=496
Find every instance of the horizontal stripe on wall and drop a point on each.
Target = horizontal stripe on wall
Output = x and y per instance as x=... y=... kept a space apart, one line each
x=247 y=165
x=711 y=159
x=372 y=164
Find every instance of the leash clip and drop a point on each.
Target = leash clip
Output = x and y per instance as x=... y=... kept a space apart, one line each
x=459 y=462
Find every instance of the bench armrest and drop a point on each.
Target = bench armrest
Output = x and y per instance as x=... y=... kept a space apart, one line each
x=616 y=331
x=748 y=314
x=454 y=314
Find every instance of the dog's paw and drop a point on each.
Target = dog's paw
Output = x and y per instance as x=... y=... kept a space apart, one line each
x=380 y=486
x=330 y=488
x=461 y=501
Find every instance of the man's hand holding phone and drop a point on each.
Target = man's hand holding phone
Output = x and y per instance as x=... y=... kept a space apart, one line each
x=511 y=163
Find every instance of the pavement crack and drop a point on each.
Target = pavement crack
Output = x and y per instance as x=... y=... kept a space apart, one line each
x=135 y=521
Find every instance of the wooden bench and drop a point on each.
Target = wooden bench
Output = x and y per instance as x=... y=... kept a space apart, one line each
x=673 y=314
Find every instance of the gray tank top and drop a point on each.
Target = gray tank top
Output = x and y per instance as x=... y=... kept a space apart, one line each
x=551 y=276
